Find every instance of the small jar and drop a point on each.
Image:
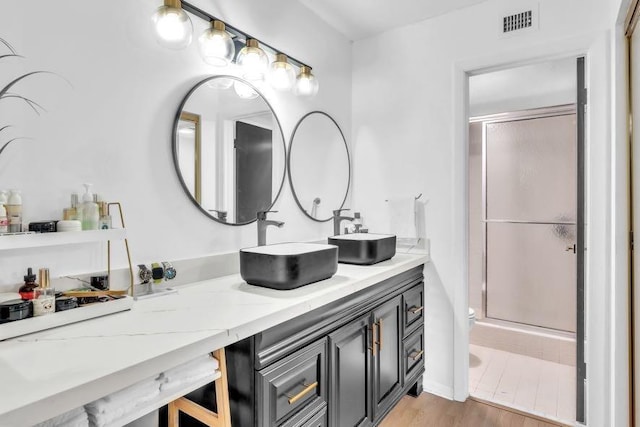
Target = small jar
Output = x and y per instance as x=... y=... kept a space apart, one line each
x=13 y=310
x=66 y=303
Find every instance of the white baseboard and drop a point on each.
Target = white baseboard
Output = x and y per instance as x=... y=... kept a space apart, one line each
x=438 y=389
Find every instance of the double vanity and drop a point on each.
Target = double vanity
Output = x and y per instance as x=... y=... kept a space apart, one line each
x=277 y=341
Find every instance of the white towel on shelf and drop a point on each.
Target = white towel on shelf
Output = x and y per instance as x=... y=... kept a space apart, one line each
x=80 y=420
x=402 y=214
x=189 y=372
x=73 y=418
x=109 y=408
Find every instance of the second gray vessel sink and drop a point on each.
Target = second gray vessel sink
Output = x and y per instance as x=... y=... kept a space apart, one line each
x=287 y=266
x=364 y=248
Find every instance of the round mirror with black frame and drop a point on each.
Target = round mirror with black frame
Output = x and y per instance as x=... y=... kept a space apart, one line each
x=228 y=150
x=319 y=166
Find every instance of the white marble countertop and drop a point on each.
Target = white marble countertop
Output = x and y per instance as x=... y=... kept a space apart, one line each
x=50 y=372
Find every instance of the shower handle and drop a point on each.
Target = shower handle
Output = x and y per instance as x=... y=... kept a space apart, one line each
x=571 y=248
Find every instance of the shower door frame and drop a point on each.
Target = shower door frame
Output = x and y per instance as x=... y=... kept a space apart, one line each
x=537 y=113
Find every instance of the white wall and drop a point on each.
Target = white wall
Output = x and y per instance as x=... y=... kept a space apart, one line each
x=409 y=123
x=531 y=86
x=113 y=126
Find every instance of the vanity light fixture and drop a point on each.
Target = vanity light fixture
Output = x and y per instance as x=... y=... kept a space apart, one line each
x=216 y=46
x=281 y=74
x=306 y=83
x=172 y=25
x=254 y=61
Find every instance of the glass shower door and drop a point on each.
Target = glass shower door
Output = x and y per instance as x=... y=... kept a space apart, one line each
x=530 y=221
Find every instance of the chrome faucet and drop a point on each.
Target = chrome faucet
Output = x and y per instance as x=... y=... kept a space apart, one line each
x=263 y=223
x=337 y=220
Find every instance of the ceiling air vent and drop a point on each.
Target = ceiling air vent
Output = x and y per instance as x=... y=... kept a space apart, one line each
x=517 y=21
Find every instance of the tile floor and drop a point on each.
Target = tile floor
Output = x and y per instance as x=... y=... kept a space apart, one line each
x=525 y=383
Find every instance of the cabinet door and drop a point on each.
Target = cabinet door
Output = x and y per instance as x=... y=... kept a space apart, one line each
x=350 y=378
x=387 y=369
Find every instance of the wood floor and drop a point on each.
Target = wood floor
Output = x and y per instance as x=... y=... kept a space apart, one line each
x=432 y=411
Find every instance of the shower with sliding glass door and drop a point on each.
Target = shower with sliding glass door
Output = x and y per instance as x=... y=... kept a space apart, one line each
x=529 y=219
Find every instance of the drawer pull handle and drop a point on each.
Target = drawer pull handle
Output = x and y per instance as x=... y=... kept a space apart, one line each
x=307 y=388
x=374 y=338
x=416 y=310
x=416 y=354
x=379 y=335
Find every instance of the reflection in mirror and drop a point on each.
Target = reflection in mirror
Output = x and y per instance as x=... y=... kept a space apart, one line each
x=319 y=166
x=228 y=150
x=188 y=146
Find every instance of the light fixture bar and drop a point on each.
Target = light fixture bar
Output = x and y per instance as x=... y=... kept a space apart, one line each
x=194 y=10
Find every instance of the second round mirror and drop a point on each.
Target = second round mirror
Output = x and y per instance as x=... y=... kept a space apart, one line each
x=319 y=166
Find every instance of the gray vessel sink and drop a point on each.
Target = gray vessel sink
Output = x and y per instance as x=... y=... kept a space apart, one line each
x=285 y=266
x=364 y=248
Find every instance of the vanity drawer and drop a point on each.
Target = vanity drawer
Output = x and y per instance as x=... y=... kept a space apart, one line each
x=413 y=307
x=318 y=419
x=413 y=353
x=292 y=388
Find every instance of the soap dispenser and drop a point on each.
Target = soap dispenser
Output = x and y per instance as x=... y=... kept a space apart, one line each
x=90 y=214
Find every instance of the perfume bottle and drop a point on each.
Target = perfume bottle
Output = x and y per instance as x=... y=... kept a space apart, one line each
x=104 y=223
x=45 y=301
x=71 y=213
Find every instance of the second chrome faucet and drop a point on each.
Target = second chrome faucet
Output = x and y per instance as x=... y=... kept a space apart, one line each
x=263 y=223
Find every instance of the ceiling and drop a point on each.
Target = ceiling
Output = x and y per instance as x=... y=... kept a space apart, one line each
x=359 y=19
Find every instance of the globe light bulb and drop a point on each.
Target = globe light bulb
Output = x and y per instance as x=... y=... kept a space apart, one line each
x=306 y=83
x=172 y=25
x=216 y=45
x=220 y=83
x=244 y=91
x=281 y=74
x=253 y=61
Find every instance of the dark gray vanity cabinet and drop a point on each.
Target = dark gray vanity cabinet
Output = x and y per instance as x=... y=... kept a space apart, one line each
x=345 y=364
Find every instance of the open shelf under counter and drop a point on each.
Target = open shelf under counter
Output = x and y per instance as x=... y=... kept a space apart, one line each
x=38 y=240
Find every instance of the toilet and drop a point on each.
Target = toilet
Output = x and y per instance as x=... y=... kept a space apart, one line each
x=472 y=318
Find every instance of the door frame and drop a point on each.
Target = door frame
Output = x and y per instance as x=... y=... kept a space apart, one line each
x=596 y=50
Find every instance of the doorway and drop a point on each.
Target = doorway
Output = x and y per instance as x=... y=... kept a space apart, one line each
x=526 y=231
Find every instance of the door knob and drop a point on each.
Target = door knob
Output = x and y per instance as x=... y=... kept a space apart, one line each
x=571 y=248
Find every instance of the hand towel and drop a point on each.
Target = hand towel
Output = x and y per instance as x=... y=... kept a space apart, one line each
x=109 y=408
x=189 y=372
x=67 y=419
x=403 y=217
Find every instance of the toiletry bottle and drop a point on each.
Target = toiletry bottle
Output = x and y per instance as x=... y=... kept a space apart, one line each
x=89 y=213
x=105 y=219
x=27 y=291
x=71 y=213
x=357 y=222
x=4 y=218
x=45 y=296
x=14 y=211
